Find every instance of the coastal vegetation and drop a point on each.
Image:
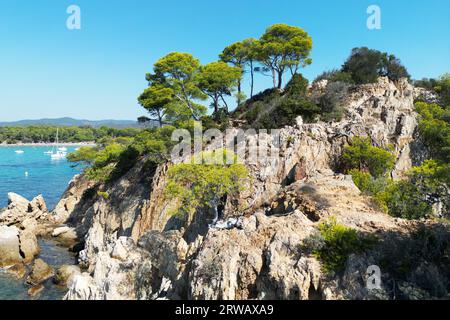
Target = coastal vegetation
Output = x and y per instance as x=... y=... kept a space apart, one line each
x=204 y=185
x=47 y=134
x=180 y=85
x=333 y=243
x=414 y=196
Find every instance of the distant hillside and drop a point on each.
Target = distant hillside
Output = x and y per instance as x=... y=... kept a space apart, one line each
x=70 y=122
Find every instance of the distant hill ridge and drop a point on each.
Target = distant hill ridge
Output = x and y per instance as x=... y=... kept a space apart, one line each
x=70 y=122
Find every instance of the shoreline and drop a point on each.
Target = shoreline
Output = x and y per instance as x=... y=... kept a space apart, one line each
x=50 y=144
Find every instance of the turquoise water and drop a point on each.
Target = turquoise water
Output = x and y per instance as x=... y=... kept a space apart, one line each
x=53 y=255
x=49 y=178
x=45 y=176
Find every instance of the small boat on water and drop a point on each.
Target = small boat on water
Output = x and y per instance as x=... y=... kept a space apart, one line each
x=19 y=151
x=61 y=152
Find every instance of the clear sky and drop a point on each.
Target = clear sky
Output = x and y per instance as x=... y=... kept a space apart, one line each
x=97 y=72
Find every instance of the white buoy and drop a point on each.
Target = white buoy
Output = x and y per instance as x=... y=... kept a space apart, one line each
x=26 y=173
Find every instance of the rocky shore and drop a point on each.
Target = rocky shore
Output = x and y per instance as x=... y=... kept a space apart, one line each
x=130 y=246
x=22 y=222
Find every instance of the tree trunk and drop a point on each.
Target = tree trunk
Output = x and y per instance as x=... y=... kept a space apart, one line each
x=224 y=102
x=280 y=79
x=252 y=79
x=239 y=93
x=160 y=119
x=216 y=103
x=274 y=77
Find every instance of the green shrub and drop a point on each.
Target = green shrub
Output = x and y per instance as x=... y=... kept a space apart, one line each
x=103 y=194
x=361 y=155
x=404 y=199
x=84 y=154
x=366 y=183
x=108 y=155
x=331 y=102
x=338 y=243
x=434 y=128
x=297 y=86
x=203 y=185
x=366 y=65
x=335 y=76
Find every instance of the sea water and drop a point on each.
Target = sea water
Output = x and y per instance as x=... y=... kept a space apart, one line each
x=32 y=173
x=29 y=174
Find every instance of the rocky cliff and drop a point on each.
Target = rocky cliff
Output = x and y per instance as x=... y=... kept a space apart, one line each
x=134 y=249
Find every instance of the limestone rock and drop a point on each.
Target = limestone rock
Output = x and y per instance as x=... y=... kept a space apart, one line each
x=18 y=271
x=82 y=288
x=66 y=274
x=167 y=251
x=20 y=209
x=9 y=246
x=38 y=204
x=18 y=202
x=36 y=290
x=40 y=271
x=29 y=246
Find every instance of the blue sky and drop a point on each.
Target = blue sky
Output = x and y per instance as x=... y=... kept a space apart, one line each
x=97 y=72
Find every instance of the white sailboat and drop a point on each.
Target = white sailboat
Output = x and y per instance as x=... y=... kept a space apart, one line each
x=60 y=153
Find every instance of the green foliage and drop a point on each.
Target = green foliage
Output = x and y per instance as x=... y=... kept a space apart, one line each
x=366 y=183
x=335 y=76
x=273 y=109
x=331 y=102
x=103 y=194
x=404 y=199
x=83 y=154
x=338 y=243
x=434 y=128
x=47 y=134
x=217 y=80
x=443 y=89
x=177 y=72
x=109 y=154
x=361 y=155
x=283 y=47
x=366 y=65
x=431 y=174
x=155 y=100
x=203 y=185
x=297 y=86
x=425 y=246
x=242 y=55
x=115 y=159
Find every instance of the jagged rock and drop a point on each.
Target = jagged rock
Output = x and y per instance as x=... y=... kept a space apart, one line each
x=29 y=246
x=18 y=271
x=66 y=274
x=30 y=224
x=167 y=251
x=231 y=264
x=36 y=290
x=18 y=202
x=121 y=248
x=38 y=205
x=9 y=246
x=262 y=258
x=82 y=288
x=40 y=271
x=60 y=230
x=65 y=235
x=20 y=209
